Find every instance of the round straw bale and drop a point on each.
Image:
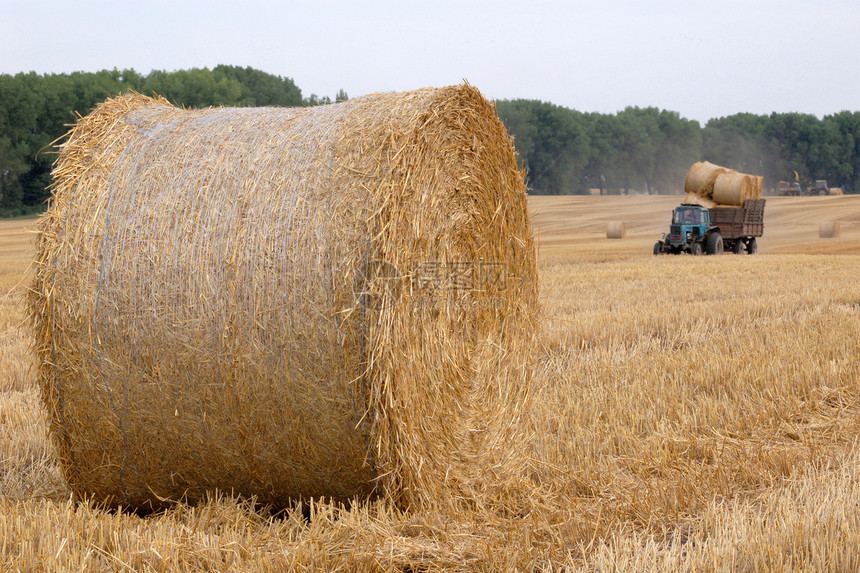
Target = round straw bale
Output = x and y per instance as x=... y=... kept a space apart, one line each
x=700 y=178
x=835 y=191
x=287 y=303
x=757 y=188
x=616 y=230
x=828 y=230
x=732 y=188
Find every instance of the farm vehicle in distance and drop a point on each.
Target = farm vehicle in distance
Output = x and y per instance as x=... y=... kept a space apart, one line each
x=788 y=189
x=698 y=230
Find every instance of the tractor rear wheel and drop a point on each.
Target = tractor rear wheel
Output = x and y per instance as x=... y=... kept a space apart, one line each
x=714 y=245
x=752 y=246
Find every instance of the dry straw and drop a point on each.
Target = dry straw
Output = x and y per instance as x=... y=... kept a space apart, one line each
x=701 y=177
x=616 y=230
x=287 y=303
x=693 y=199
x=828 y=230
x=711 y=186
x=733 y=188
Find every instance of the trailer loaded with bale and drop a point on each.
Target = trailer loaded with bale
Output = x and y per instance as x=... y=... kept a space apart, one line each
x=723 y=211
x=698 y=230
x=287 y=303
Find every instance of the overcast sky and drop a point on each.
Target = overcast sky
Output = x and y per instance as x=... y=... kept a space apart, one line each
x=701 y=59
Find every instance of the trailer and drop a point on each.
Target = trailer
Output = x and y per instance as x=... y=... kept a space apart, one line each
x=740 y=227
x=700 y=230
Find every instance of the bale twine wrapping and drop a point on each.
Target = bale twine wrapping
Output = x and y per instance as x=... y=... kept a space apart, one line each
x=287 y=303
x=616 y=230
x=701 y=177
x=828 y=230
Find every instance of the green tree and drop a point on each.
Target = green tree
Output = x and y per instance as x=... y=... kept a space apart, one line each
x=553 y=148
x=842 y=132
x=680 y=146
x=257 y=88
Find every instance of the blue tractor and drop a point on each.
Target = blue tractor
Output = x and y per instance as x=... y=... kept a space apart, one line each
x=699 y=230
x=690 y=232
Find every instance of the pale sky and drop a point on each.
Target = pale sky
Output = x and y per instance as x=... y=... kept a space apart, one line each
x=701 y=59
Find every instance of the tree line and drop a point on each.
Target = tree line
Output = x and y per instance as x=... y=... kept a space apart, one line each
x=650 y=150
x=564 y=151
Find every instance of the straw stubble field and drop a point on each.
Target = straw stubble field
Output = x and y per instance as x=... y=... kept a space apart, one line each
x=689 y=414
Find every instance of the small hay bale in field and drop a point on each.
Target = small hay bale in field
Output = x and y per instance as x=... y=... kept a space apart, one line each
x=733 y=188
x=836 y=190
x=828 y=230
x=593 y=191
x=616 y=230
x=701 y=177
x=287 y=303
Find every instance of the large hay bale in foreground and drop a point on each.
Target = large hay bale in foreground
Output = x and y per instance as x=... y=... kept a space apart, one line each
x=287 y=303
x=828 y=230
x=616 y=230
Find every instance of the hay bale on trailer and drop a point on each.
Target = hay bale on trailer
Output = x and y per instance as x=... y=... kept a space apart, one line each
x=287 y=303
x=616 y=230
x=828 y=230
x=733 y=188
x=720 y=186
x=701 y=177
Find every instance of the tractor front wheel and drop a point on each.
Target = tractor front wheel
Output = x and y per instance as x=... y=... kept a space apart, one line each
x=696 y=249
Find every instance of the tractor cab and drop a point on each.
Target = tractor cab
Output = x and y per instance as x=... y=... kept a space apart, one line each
x=690 y=215
x=689 y=224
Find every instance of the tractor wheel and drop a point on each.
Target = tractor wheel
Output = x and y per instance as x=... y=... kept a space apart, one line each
x=739 y=248
x=658 y=248
x=696 y=249
x=752 y=246
x=714 y=245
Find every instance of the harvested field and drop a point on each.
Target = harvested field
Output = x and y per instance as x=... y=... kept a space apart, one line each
x=690 y=414
x=573 y=228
